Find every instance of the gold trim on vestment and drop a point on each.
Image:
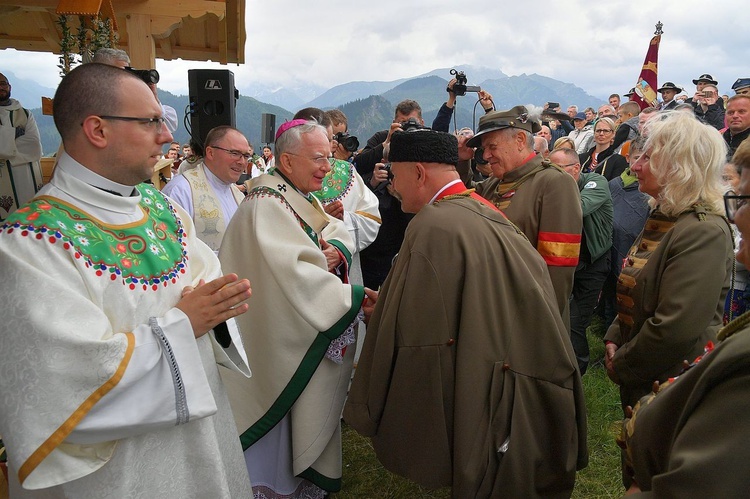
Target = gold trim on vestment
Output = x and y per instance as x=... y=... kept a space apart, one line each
x=67 y=427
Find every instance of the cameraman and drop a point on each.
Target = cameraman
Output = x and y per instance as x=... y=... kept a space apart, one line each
x=442 y=120
x=373 y=152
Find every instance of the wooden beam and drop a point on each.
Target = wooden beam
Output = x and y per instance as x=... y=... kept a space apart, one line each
x=48 y=29
x=141 y=47
x=165 y=48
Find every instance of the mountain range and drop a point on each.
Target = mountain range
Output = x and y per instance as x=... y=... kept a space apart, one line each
x=368 y=106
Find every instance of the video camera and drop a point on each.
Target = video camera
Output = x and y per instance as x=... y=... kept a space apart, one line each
x=460 y=87
x=149 y=76
x=349 y=142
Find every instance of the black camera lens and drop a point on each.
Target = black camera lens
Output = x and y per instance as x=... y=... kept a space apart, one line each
x=149 y=76
x=349 y=142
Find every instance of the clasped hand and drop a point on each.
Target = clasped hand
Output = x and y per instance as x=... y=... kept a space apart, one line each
x=209 y=304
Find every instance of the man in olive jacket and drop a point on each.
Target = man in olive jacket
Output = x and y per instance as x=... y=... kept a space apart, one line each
x=467 y=376
x=538 y=198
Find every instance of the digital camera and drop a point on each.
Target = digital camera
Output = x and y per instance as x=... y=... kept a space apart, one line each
x=350 y=142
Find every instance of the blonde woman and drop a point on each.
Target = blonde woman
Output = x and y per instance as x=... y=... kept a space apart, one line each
x=564 y=143
x=600 y=158
x=671 y=292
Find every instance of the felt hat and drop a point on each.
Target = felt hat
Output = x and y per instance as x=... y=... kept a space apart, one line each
x=669 y=86
x=518 y=117
x=705 y=78
x=424 y=146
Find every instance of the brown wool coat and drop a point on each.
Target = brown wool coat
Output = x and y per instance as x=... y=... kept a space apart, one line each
x=466 y=352
x=692 y=439
x=675 y=302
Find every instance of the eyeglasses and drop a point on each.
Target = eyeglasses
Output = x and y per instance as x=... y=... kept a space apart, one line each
x=4 y=84
x=732 y=204
x=235 y=155
x=565 y=166
x=156 y=123
x=318 y=161
x=603 y=131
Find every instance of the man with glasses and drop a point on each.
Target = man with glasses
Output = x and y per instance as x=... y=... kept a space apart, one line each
x=20 y=152
x=596 y=241
x=209 y=192
x=110 y=338
x=301 y=328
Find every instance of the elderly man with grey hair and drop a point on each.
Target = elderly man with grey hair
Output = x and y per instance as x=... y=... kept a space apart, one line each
x=540 y=199
x=302 y=333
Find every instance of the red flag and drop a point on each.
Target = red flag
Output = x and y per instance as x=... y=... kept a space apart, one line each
x=645 y=89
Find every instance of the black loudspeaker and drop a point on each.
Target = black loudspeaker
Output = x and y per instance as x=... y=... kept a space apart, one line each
x=267 y=128
x=212 y=101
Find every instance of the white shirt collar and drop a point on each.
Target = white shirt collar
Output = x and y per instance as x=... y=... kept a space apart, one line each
x=449 y=184
x=85 y=175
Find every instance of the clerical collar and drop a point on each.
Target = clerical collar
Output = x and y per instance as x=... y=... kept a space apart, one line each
x=94 y=179
x=445 y=187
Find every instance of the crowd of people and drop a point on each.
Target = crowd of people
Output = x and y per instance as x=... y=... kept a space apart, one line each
x=433 y=289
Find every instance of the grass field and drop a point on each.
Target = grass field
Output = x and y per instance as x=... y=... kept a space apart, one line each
x=364 y=477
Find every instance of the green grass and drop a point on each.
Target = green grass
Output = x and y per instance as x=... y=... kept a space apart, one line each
x=364 y=477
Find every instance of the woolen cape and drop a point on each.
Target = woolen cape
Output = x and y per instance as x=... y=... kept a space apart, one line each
x=465 y=356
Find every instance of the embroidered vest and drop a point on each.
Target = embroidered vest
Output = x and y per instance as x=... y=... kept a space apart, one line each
x=207 y=213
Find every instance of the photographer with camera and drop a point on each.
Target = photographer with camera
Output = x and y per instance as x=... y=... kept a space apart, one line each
x=370 y=163
x=458 y=87
x=708 y=107
x=374 y=150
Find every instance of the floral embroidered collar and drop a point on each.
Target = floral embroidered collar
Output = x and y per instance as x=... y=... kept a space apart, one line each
x=146 y=253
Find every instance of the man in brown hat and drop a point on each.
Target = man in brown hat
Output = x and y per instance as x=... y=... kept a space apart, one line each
x=465 y=352
x=540 y=199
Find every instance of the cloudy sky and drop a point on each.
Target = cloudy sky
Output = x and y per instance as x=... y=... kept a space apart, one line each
x=598 y=46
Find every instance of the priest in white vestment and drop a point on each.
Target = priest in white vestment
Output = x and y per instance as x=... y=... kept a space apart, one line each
x=301 y=330
x=20 y=152
x=113 y=316
x=208 y=191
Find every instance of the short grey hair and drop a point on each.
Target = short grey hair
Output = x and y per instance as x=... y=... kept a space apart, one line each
x=289 y=141
x=110 y=56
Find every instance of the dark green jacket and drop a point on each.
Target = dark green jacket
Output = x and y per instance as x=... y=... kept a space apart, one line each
x=598 y=214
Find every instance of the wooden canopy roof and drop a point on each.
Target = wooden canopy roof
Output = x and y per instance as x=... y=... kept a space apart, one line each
x=194 y=30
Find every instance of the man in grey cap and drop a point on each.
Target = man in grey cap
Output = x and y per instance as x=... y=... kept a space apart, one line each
x=540 y=199
x=465 y=352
